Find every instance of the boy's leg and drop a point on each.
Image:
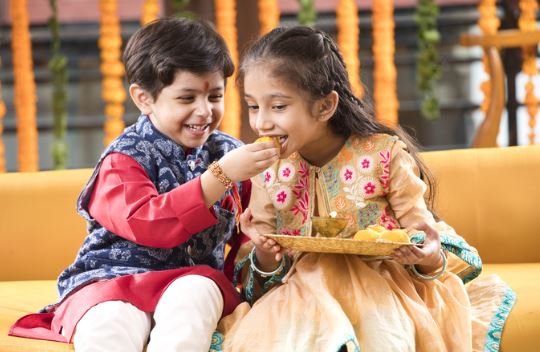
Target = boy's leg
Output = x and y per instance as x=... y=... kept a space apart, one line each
x=113 y=326
x=186 y=315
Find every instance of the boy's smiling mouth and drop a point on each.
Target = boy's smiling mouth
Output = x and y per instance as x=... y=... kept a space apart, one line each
x=198 y=128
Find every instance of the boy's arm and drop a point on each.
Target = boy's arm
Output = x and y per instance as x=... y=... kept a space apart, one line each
x=126 y=202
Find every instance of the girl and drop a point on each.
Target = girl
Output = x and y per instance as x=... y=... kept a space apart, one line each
x=160 y=206
x=336 y=158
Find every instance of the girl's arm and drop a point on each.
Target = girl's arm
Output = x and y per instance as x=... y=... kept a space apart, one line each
x=406 y=198
x=126 y=202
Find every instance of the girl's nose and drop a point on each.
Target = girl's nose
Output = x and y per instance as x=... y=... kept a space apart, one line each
x=263 y=122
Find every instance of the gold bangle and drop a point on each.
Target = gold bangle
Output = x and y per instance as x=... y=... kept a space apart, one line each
x=220 y=175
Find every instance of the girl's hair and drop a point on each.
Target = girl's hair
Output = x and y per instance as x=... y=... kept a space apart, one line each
x=156 y=52
x=310 y=60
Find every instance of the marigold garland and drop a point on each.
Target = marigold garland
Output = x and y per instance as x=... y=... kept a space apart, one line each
x=226 y=26
x=2 y=114
x=489 y=24
x=113 y=92
x=347 y=38
x=25 y=88
x=268 y=15
x=150 y=11
x=385 y=90
x=527 y=23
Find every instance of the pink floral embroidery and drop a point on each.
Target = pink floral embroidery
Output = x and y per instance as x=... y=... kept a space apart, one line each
x=385 y=164
x=365 y=163
x=387 y=220
x=286 y=172
x=301 y=206
x=269 y=176
x=281 y=197
x=303 y=169
x=369 y=188
x=295 y=232
x=347 y=174
x=300 y=190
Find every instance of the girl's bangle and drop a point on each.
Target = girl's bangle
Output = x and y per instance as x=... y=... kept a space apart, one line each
x=259 y=271
x=218 y=173
x=434 y=276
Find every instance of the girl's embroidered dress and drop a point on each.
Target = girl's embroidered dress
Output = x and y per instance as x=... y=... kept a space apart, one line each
x=148 y=225
x=327 y=300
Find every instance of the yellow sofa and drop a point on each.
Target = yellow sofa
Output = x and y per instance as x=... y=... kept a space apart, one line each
x=491 y=197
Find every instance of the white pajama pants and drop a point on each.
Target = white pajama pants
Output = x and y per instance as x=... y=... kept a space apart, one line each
x=184 y=320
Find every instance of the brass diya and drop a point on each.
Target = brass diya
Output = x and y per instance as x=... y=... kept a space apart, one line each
x=328 y=226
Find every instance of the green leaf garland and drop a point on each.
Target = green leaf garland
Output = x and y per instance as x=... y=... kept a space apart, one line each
x=428 y=69
x=58 y=66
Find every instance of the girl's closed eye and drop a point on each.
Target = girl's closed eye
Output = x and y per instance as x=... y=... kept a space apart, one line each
x=280 y=107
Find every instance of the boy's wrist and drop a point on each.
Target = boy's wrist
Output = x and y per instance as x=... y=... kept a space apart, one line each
x=217 y=171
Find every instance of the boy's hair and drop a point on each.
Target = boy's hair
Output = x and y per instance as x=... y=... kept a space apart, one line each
x=309 y=59
x=157 y=51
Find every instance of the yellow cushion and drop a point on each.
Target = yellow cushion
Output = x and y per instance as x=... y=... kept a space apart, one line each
x=43 y=230
x=18 y=298
x=523 y=325
x=491 y=197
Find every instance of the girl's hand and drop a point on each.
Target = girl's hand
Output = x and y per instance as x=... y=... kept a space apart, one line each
x=249 y=160
x=428 y=257
x=268 y=251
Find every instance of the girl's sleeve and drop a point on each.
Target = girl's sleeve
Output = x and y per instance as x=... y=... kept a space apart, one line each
x=406 y=198
x=126 y=202
x=253 y=286
x=407 y=190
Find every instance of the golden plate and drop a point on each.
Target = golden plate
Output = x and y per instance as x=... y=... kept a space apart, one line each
x=337 y=245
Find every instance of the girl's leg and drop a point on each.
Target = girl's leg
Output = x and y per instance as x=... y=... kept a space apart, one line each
x=113 y=326
x=186 y=315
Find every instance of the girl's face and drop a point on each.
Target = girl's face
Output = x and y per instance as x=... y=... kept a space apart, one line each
x=190 y=109
x=278 y=109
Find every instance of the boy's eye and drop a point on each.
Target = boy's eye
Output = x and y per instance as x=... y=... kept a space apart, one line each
x=253 y=107
x=186 y=98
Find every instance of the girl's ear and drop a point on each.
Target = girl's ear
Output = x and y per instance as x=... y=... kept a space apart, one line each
x=326 y=106
x=141 y=98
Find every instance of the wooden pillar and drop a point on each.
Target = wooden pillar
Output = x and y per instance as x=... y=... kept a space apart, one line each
x=512 y=60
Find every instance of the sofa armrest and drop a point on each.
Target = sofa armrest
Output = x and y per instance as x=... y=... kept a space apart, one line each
x=40 y=230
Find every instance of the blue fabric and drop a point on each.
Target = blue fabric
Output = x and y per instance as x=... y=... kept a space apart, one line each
x=493 y=338
x=461 y=249
x=104 y=255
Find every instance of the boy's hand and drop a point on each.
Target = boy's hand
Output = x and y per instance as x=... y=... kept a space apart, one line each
x=249 y=160
x=268 y=251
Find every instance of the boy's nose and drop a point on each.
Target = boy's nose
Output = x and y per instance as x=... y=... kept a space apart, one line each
x=204 y=108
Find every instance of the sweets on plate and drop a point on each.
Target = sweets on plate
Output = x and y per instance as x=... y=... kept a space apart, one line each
x=378 y=233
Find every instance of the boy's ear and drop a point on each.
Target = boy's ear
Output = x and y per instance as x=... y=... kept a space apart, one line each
x=141 y=98
x=326 y=106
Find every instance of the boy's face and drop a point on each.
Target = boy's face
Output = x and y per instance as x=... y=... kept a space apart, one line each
x=190 y=109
